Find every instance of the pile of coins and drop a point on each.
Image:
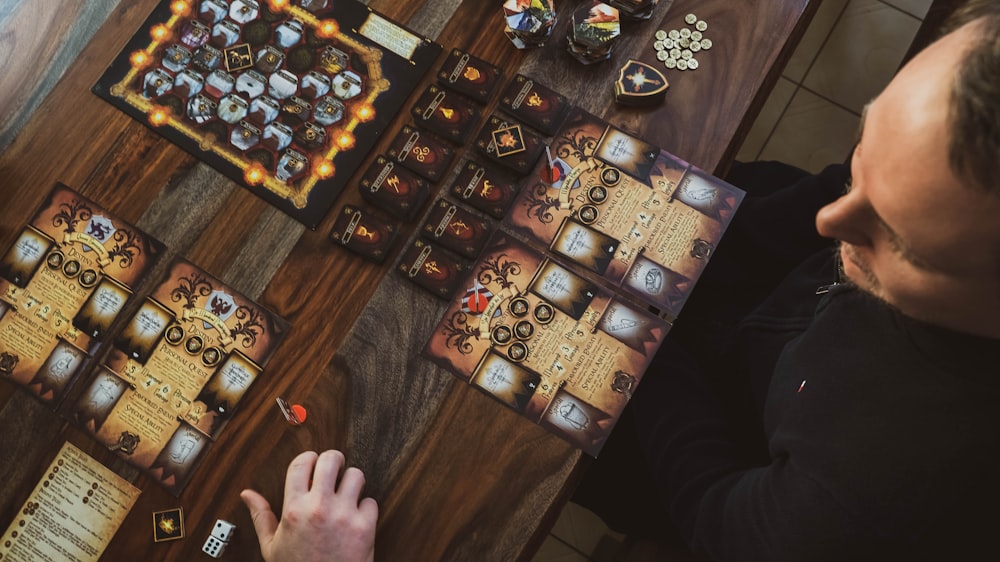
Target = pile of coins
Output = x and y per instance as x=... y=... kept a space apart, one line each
x=677 y=48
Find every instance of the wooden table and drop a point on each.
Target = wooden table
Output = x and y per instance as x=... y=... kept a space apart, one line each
x=457 y=476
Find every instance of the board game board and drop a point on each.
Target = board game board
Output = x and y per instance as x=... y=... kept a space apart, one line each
x=286 y=98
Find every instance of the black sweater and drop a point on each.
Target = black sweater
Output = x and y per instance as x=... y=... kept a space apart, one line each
x=880 y=433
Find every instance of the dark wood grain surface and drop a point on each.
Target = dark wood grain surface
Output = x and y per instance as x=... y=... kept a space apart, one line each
x=457 y=476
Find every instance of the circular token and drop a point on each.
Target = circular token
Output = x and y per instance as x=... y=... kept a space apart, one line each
x=674 y=34
x=597 y=194
x=675 y=53
x=544 y=313
x=684 y=43
x=686 y=54
x=669 y=43
x=662 y=55
x=194 y=344
x=518 y=307
x=690 y=19
x=517 y=351
x=660 y=34
x=706 y=44
x=670 y=63
x=71 y=268
x=658 y=45
x=693 y=63
x=300 y=412
x=588 y=214
x=88 y=278
x=696 y=36
x=685 y=33
x=211 y=356
x=611 y=177
x=55 y=259
x=682 y=64
x=174 y=334
x=501 y=335
x=695 y=46
x=524 y=330
x=701 y=25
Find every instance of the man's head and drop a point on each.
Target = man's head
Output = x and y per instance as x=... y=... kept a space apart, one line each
x=920 y=226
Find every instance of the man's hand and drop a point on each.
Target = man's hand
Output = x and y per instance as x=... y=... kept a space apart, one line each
x=322 y=519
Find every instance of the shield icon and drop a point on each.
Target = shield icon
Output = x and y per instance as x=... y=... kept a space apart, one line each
x=220 y=304
x=639 y=82
x=101 y=228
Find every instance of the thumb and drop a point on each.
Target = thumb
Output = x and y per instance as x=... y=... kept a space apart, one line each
x=264 y=521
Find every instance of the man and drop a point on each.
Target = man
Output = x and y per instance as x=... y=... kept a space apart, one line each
x=873 y=426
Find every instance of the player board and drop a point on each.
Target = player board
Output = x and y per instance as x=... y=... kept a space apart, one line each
x=63 y=284
x=176 y=373
x=563 y=350
x=643 y=219
x=284 y=97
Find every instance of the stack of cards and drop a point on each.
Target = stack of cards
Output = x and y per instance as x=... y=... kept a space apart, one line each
x=635 y=10
x=640 y=85
x=529 y=22
x=595 y=27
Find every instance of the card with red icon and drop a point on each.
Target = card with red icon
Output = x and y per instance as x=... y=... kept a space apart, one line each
x=393 y=188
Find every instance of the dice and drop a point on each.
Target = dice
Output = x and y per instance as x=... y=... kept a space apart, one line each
x=216 y=543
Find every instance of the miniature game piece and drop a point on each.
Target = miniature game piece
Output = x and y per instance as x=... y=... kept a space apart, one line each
x=294 y=414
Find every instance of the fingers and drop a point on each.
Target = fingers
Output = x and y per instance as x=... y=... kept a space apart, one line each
x=352 y=485
x=327 y=471
x=300 y=472
x=369 y=509
x=264 y=521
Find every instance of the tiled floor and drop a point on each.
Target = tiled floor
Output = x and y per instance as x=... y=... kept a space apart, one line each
x=848 y=54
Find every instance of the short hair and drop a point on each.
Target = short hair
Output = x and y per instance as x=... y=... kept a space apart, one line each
x=974 y=146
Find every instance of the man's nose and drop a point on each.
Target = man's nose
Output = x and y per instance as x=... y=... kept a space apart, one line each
x=848 y=219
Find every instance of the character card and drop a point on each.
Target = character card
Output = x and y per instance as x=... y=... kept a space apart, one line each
x=286 y=98
x=470 y=76
x=486 y=189
x=456 y=229
x=422 y=153
x=177 y=373
x=63 y=282
x=446 y=114
x=641 y=218
x=363 y=233
x=537 y=336
x=535 y=104
x=509 y=144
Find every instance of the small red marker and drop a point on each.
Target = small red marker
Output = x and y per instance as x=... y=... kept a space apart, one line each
x=801 y=386
x=295 y=414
